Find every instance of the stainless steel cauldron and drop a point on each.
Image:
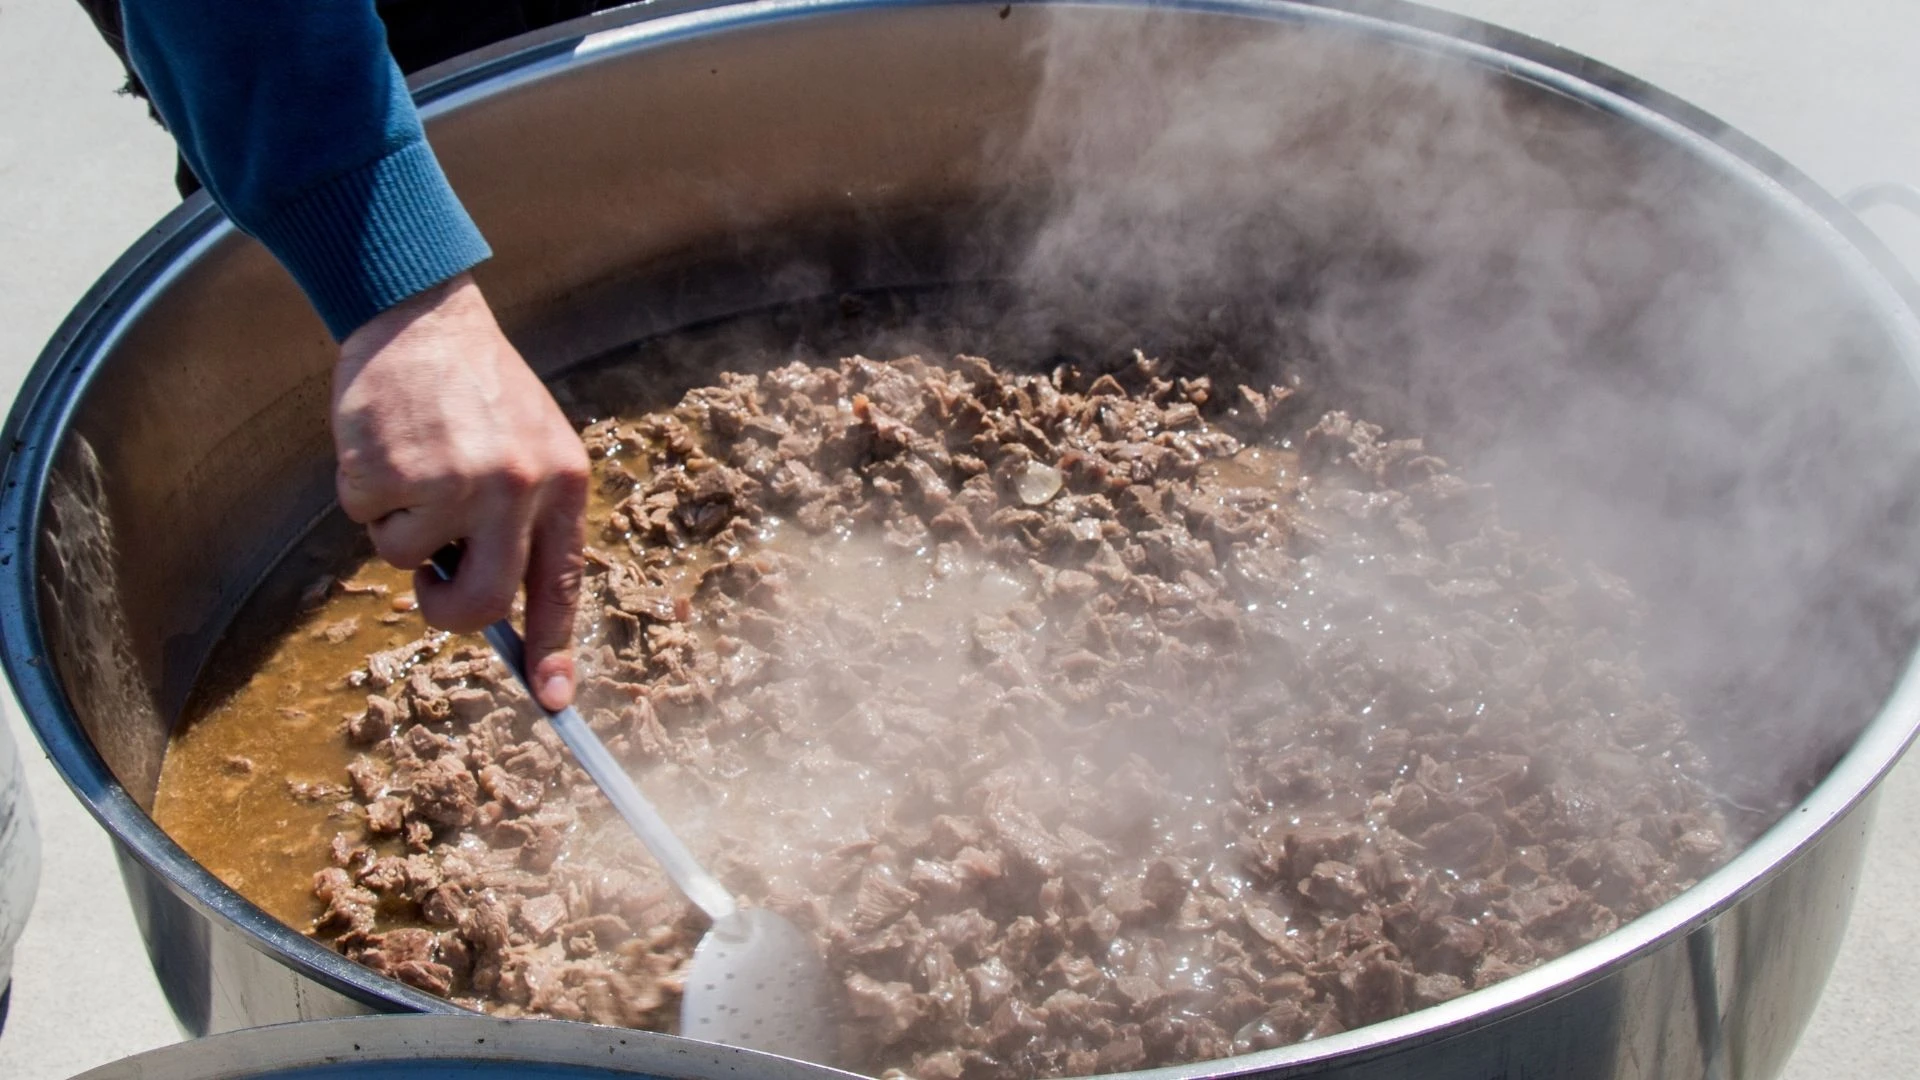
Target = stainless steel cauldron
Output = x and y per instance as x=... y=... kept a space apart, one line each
x=1661 y=341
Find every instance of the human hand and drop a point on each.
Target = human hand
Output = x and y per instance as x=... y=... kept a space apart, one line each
x=443 y=433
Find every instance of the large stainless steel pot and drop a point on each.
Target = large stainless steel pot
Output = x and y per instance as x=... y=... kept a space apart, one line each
x=1543 y=249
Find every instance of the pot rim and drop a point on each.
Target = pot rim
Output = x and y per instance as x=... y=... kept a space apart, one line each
x=64 y=369
x=469 y=1043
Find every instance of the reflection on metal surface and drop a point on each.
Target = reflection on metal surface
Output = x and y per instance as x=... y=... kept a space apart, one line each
x=1704 y=974
x=89 y=641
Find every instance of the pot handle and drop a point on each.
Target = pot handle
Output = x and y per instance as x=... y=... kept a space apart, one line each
x=1884 y=193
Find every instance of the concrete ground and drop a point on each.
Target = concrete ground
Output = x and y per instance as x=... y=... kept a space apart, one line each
x=1833 y=87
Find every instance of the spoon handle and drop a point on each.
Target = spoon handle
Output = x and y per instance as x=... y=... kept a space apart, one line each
x=702 y=888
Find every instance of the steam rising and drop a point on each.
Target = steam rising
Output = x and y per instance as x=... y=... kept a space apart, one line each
x=1651 y=362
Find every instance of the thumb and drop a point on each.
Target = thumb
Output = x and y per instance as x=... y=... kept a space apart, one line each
x=553 y=594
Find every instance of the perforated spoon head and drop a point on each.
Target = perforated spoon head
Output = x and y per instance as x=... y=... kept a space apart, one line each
x=757 y=981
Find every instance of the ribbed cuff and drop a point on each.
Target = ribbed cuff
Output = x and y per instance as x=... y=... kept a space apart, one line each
x=370 y=238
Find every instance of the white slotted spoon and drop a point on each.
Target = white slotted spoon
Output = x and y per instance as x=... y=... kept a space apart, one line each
x=755 y=981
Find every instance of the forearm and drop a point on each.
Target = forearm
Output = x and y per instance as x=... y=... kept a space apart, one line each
x=298 y=122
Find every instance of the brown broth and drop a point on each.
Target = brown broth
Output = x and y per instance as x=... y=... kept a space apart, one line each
x=226 y=790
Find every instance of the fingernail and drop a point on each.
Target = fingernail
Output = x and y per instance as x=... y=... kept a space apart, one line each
x=557 y=691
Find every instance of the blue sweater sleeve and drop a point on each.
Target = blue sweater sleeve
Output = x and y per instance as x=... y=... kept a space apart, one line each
x=297 y=120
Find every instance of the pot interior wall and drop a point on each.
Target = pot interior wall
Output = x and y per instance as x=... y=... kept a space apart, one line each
x=1655 y=357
